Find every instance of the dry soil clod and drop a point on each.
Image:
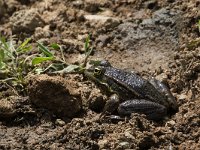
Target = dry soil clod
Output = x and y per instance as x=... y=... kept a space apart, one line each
x=55 y=94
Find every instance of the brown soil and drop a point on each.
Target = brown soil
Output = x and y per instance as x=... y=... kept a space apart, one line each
x=152 y=38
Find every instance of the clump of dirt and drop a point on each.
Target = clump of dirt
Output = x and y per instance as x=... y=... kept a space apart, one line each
x=26 y=21
x=152 y=38
x=6 y=108
x=55 y=94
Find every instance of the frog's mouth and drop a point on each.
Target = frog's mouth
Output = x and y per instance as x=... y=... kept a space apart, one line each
x=90 y=74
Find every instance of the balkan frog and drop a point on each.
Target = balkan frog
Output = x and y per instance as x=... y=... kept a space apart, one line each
x=132 y=93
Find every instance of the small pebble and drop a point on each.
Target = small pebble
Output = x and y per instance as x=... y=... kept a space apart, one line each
x=60 y=122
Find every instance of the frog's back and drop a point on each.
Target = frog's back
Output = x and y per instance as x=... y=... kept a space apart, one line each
x=126 y=79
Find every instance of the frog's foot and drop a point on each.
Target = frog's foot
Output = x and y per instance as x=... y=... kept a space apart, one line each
x=165 y=91
x=115 y=118
x=153 y=111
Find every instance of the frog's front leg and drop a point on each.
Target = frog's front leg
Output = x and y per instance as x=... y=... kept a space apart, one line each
x=153 y=111
x=110 y=106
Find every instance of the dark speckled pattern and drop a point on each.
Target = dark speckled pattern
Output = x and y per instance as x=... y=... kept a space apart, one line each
x=139 y=95
x=137 y=85
x=152 y=110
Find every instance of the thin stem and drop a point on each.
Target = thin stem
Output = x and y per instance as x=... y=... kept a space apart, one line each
x=63 y=57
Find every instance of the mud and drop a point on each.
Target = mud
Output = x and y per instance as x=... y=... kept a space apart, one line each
x=151 y=38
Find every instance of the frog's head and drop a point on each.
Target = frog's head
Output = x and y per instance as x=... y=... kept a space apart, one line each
x=97 y=70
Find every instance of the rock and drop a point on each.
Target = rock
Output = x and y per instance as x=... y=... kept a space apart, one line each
x=170 y=123
x=123 y=145
x=103 y=21
x=161 y=27
x=158 y=35
x=60 y=122
x=102 y=143
x=97 y=18
x=55 y=94
x=26 y=21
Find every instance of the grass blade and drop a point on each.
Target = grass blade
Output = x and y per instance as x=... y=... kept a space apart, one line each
x=87 y=42
x=55 y=46
x=24 y=46
x=69 y=69
x=38 y=60
x=2 y=55
x=44 y=50
x=3 y=42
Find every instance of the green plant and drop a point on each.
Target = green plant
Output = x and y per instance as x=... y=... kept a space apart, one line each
x=88 y=50
x=44 y=55
x=198 y=24
x=56 y=63
x=70 y=68
x=13 y=65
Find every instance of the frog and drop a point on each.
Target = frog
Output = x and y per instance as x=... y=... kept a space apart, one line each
x=131 y=93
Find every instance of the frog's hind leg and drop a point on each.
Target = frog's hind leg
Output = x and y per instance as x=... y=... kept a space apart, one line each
x=153 y=111
x=166 y=92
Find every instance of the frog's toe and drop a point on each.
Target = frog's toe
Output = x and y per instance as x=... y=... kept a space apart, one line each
x=153 y=111
x=111 y=105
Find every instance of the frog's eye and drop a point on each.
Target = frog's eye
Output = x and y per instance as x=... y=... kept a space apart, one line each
x=97 y=71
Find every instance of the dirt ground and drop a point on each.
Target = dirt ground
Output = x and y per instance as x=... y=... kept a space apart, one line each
x=150 y=37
